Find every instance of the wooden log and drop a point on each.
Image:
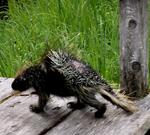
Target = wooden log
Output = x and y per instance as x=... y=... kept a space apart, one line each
x=134 y=52
x=115 y=122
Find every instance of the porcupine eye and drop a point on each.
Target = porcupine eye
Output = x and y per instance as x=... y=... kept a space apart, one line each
x=20 y=83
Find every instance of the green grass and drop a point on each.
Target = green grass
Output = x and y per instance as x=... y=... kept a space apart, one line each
x=86 y=28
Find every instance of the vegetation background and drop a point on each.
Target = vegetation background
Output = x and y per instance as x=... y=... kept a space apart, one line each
x=87 y=28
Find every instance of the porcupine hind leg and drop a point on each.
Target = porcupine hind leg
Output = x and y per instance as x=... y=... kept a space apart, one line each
x=43 y=98
x=90 y=99
x=76 y=105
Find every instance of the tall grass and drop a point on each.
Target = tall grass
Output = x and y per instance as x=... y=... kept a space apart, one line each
x=86 y=28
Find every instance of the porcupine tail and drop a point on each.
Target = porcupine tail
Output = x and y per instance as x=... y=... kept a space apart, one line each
x=117 y=99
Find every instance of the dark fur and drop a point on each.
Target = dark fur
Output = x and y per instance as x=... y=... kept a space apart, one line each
x=64 y=76
x=48 y=83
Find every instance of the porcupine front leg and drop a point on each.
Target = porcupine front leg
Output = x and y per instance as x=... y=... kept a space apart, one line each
x=76 y=105
x=43 y=98
x=89 y=98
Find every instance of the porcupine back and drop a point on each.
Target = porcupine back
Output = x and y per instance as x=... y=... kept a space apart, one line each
x=79 y=74
x=76 y=72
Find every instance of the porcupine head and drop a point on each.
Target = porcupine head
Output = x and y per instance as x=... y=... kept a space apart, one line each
x=22 y=82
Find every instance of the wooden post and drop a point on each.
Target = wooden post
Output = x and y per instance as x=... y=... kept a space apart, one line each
x=134 y=49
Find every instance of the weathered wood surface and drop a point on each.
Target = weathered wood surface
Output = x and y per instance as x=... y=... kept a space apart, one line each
x=115 y=122
x=5 y=88
x=134 y=47
x=16 y=119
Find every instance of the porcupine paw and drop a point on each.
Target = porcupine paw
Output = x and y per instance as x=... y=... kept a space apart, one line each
x=35 y=108
x=100 y=113
x=74 y=105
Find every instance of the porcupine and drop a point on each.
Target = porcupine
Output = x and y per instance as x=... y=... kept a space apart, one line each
x=63 y=75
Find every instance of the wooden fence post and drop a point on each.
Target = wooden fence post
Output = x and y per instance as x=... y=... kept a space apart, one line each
x=133 y=47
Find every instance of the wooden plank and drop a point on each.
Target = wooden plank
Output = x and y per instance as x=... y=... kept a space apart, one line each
x=115 y=122
x=2 y=79
x=134 y=47
x=5 y=88
x=14 y=111
x=16 y=119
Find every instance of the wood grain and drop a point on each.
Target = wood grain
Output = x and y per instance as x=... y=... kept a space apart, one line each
x=134 y=47
x=5 y=88
x=115 y=122
x=16 y=119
